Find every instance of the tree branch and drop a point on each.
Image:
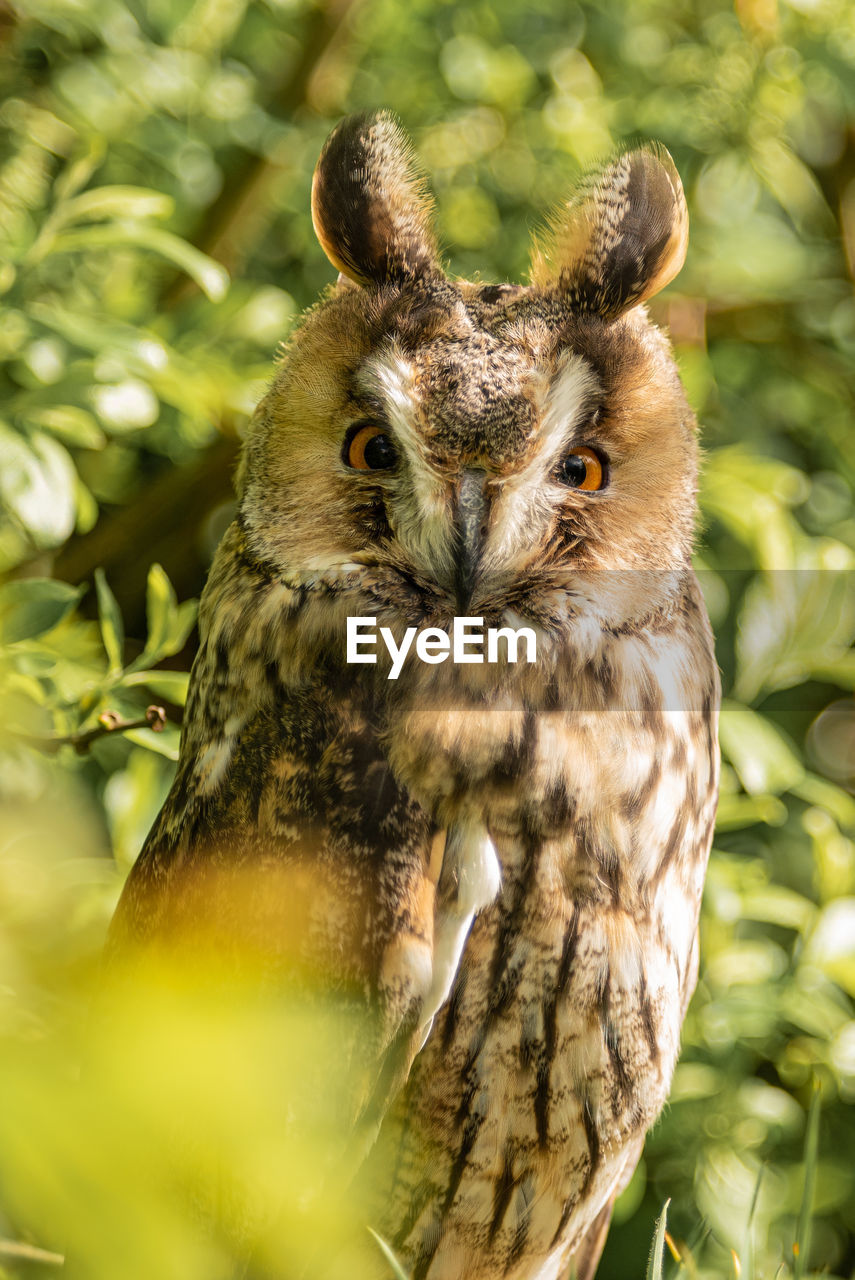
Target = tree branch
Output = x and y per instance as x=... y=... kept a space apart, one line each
x=108 y=722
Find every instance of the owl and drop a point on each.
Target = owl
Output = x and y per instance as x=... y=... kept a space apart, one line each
x=450 y=746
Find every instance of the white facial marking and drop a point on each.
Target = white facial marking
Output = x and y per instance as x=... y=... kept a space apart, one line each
x=426 y=529
x=524 y=501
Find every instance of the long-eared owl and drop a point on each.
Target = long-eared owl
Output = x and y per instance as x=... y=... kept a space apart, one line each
x=454 y=709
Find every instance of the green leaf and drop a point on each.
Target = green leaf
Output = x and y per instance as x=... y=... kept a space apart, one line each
x=165 y=743
x=185 y=621
x=37 y=484
x=751 y=496
x=819 y=791
x=110 y=618
x=171 y=685
x=91 y=331
x=87 y=507
x=776 y=904
x=735 y=812
x=169 y=625
x=748 y=1253
x=210 y=276
x=31 y=606
x=129 y=405
x=793 y=624
x=841 y=671
x=801 y=1247
x=831 y=945
x=161 y=613
x=758 y=751
x=78 y=172
x=116 y=201
x=657 y=1249
x=73 y=425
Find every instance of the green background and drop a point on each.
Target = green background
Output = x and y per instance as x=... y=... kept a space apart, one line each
x=156 y=246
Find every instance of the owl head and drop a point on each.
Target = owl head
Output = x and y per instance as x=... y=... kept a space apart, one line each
x=441 y=447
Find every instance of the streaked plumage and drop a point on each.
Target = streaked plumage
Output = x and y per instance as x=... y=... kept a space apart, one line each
x=504 y=862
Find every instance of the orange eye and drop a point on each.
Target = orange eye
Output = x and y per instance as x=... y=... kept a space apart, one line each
x=369 y=448
x=583 y=469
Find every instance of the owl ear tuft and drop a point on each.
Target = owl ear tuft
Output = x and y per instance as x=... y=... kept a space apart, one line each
x=620 y=238
x=370 y=209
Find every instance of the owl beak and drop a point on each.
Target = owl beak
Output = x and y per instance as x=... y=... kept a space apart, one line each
x=470 y=522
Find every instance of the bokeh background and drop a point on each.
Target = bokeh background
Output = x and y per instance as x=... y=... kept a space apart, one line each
x=155 y=247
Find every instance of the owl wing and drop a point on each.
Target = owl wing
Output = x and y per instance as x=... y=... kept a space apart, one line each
x=295 y=848
x=586 y=1259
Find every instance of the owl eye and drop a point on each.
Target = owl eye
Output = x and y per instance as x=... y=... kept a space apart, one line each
x=583 y=469
x=369 y=448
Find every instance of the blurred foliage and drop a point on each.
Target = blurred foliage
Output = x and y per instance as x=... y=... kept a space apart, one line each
x=155 y=246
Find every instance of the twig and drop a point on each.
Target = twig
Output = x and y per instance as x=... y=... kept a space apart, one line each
x=16 y=1249
x=108 y=722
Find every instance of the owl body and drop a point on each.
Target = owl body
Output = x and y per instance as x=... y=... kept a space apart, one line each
x=500 y=863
